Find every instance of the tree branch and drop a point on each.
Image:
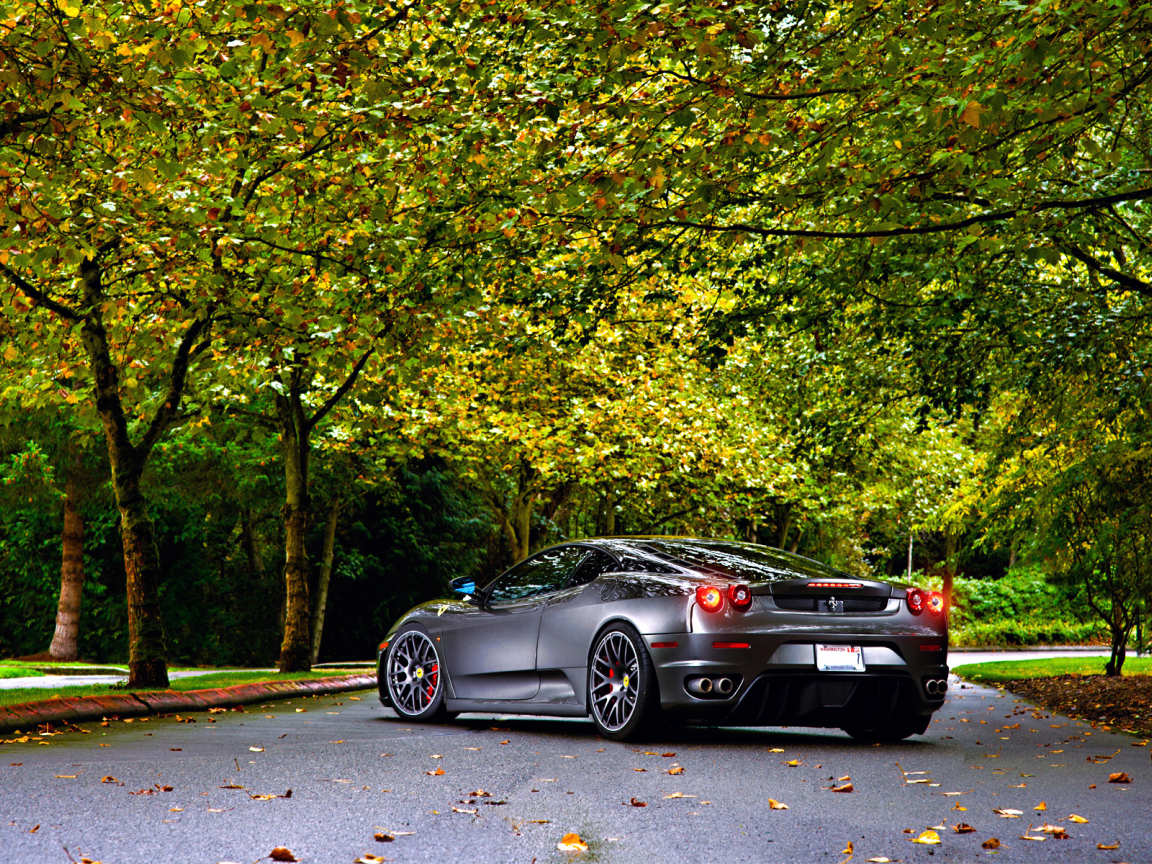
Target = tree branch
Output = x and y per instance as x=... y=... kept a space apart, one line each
x=39 y=297
x=940 y=228
x=341 y=391
x=1097 y=266
x=176 y=381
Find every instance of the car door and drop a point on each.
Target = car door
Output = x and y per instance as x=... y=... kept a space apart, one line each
x=570 y=619
x=490 y=649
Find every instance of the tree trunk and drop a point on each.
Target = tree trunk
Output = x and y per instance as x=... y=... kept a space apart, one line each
x=784 y=517
x=296 y=649
x=325 y=578
x=610 y=512
x=951 y=547
x=251 y=545
x=66 y=639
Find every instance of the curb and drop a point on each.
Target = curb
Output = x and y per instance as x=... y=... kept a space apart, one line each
x=77 y=709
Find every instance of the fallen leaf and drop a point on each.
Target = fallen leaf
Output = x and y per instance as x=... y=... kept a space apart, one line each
x=776 y=750
x=638 y=803
x=572 y=843
x=1041 y=806
x=282 y=853
x=843 y=779
x=477 y=749
x=480 y=793
x=682 y=795
x=435 y=773
x=368 y=858
x=957 y=806
x=1078 y=819
x=1008 y=813
x=848 y=849
x=676 y=770
x=639 y=769
x=34 y=830
x=990 y=843
x=791 y=763
x=1119 y=777
x=667 y=755
x=67 y=776
x=505 y=742
x=109 y=779
x=257 y=749
x=1032 y=837
x=929 y=837
x=463 y=810
x=880 y=860
x=231 y=786
x=963 y=828
x=436 y=756
x=383 y=838
x=1102 y=846
x=1057 y=831
x=847 y=787
x=773 y=804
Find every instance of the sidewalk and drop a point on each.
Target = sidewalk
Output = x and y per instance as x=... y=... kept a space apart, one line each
x=27 y=716
x=964 y=656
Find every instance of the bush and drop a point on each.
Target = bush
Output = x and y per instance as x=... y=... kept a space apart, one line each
x=1022 y=608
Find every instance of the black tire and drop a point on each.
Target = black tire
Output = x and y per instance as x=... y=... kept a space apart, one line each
x=890 y=733
x=413 y=680
x=623 y=695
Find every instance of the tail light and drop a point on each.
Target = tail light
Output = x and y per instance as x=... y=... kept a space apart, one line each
x=917 y=600
x=710 y=598
x=740 y=596
x=936 y=603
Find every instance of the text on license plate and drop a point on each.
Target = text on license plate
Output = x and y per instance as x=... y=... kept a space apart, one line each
x=839 y=658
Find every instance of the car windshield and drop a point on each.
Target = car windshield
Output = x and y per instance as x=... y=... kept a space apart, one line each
x=747 y=562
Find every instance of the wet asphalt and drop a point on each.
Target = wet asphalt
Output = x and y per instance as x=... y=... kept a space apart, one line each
x=167 y=790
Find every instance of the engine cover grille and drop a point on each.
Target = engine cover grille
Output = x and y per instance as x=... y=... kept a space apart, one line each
x=831 y=605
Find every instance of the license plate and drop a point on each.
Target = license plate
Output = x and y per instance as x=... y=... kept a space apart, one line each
x=839 y=658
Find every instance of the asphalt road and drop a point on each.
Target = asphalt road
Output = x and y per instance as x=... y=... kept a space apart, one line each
x=356 y=771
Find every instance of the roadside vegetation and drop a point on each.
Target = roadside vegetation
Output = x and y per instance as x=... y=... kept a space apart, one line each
x=306 y=312
x=14 y=696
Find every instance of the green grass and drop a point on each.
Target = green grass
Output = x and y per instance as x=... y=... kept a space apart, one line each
x=19 y=672
x=198 y=682
x=1000 y=671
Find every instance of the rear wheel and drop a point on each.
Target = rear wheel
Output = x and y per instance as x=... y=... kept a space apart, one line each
x=623 y=697
x=414 y=677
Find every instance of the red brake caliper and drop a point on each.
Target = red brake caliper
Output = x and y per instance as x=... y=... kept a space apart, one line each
x=433 y=676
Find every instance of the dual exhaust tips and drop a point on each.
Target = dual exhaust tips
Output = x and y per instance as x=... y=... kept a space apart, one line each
x=710 y=686
x=936 y=686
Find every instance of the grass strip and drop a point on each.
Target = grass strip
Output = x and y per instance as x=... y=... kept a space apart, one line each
x=198 y=682
x=1002 y=671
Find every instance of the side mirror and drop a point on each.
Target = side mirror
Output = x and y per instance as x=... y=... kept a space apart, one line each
x=465 y=585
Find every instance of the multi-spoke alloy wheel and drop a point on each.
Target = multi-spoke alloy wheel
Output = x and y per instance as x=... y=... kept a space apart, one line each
x=415 y=684
x=621 y=684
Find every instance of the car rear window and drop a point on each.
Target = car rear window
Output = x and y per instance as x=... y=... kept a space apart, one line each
x=747 y=562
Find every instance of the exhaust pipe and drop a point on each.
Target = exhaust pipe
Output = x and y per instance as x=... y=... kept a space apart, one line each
x=700 y=685
x=942 y=686
x=931 y=687
x=936 y=687
x=724 y=686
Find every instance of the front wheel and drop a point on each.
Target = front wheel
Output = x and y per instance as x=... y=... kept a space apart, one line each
x=623 y=697
x=414 y=677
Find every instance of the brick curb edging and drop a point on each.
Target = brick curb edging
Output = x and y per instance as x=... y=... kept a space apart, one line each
x=77 y=709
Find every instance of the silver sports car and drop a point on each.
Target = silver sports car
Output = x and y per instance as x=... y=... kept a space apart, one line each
x=639 y=631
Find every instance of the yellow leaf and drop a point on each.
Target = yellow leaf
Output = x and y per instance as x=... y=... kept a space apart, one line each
x=1080 y=819
x=1041 y=806
x=572 y=843
x=773 y=804
x=930 y=838
x=1102 y=846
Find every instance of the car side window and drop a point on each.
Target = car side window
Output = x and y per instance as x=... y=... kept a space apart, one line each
x=548 y=571
x=596 y=563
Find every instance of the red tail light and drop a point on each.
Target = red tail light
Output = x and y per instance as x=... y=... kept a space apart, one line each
x=710 y=598
x=917 y=600
x=936 y=603
x=740 y=596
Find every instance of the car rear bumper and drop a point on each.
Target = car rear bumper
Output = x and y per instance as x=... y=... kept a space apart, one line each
x=776 y=682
